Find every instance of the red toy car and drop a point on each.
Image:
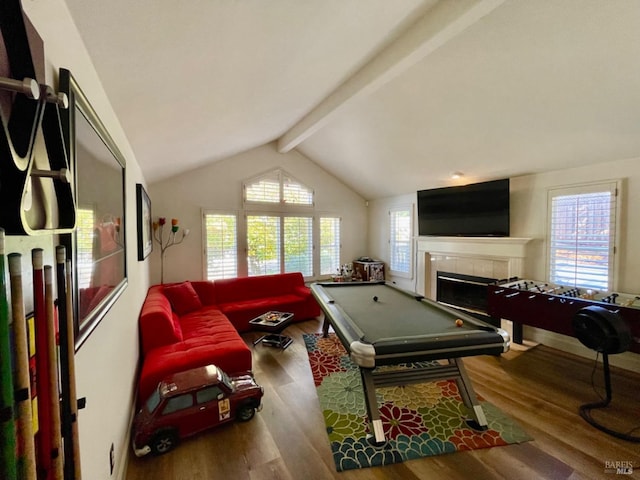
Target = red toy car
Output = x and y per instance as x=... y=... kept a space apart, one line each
x=189 y=402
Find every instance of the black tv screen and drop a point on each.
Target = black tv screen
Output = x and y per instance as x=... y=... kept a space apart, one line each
x=476 y=210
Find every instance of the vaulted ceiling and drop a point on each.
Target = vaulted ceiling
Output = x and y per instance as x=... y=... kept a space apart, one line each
x=389 y=96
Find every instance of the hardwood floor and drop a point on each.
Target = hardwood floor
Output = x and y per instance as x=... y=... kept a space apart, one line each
x=541 y=389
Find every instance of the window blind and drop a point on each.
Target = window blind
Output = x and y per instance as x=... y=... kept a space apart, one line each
x=400 y=233
x=295 y=193
x=263 y=244
x=298 y=245
x=329 y=245
x=221 y=246
x=266 y=189
x=277 y=187
x=582 y=234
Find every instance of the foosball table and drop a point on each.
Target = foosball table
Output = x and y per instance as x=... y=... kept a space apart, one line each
x=553 y=307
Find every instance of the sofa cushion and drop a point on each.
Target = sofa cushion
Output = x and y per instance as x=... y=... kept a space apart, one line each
x=183 y=298
x=226 y=350
x=206 y=322
x=240 y=312
x=206 y=290
x=249 y=288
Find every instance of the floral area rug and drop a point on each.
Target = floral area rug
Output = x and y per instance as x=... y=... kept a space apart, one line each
x=419 y=420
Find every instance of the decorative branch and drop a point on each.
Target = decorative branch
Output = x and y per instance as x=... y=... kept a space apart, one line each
x=171 y=240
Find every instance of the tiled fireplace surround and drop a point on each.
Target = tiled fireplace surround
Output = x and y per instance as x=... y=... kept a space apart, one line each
x=492 y=257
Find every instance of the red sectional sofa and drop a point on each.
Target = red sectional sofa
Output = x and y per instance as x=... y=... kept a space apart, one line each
x=191 y=324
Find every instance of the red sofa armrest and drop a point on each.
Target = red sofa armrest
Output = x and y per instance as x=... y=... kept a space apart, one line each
x=158 y=324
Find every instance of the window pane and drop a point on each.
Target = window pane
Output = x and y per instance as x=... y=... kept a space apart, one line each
x=178 y=403
x=207 y=394
x=581 y=239
x=263 y=243
x=296 y=193
x=266 y=189
x=221 y=247
x=298 y=245
x=329 y=245
x=400 y=240
x=277 y=187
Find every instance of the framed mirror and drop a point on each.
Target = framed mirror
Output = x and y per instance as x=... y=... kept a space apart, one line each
x=97 y=247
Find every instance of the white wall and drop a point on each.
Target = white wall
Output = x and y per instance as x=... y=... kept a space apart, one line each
x=528 y=219
x=219 y=187
x=106 y=365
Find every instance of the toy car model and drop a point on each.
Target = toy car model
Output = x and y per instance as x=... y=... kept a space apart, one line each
x=190 y=402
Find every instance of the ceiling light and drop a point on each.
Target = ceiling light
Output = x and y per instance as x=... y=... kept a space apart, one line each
x=456 y=175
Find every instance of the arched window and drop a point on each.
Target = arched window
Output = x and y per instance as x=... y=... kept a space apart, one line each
x=277 y=232
x=277 y=187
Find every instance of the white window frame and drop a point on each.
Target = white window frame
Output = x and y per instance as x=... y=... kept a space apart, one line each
x=279 y=209
x=318 y=268
x=280 y=175
x=205 y=213
x=281 y=216
x=613 y=186
x=392 y=211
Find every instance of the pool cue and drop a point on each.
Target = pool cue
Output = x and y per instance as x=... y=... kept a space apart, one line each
x=67 y=366
x=43 y=436
x=73 y=394
x=52 y=377
x=22 y=378
x=8 y=466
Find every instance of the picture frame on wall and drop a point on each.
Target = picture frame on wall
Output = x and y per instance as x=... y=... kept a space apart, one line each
x=145 y=223
x=98 y=243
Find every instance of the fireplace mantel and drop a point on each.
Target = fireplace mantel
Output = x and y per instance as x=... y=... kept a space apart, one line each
x=494 y=257
x=476 y=246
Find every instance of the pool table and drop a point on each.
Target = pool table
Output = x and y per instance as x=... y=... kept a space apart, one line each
x=380 y=324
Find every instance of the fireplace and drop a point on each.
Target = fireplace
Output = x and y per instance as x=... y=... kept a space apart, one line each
x=464 y=292
x=490 y=257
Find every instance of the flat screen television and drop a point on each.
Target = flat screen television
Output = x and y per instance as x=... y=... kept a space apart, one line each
x=476 y=210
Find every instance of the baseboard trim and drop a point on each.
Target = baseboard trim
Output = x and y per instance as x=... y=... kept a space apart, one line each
x=628 y=360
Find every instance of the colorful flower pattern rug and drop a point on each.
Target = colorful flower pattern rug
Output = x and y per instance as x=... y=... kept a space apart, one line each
x=419 y=420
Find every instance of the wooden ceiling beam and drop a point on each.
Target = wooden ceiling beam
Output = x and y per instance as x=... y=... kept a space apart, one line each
x=439 y=25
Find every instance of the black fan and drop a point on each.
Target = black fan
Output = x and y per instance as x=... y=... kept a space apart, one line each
x=602 y=330
x=606 y=332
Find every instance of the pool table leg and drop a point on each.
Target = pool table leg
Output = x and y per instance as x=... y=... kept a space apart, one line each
x=325 y=326
x=468 y=395
x=371 y=402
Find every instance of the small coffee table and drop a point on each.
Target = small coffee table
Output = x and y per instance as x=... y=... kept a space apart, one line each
x=273 y=323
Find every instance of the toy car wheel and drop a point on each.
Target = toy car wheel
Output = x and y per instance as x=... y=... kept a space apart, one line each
x=245 y=412
x=163 y=442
